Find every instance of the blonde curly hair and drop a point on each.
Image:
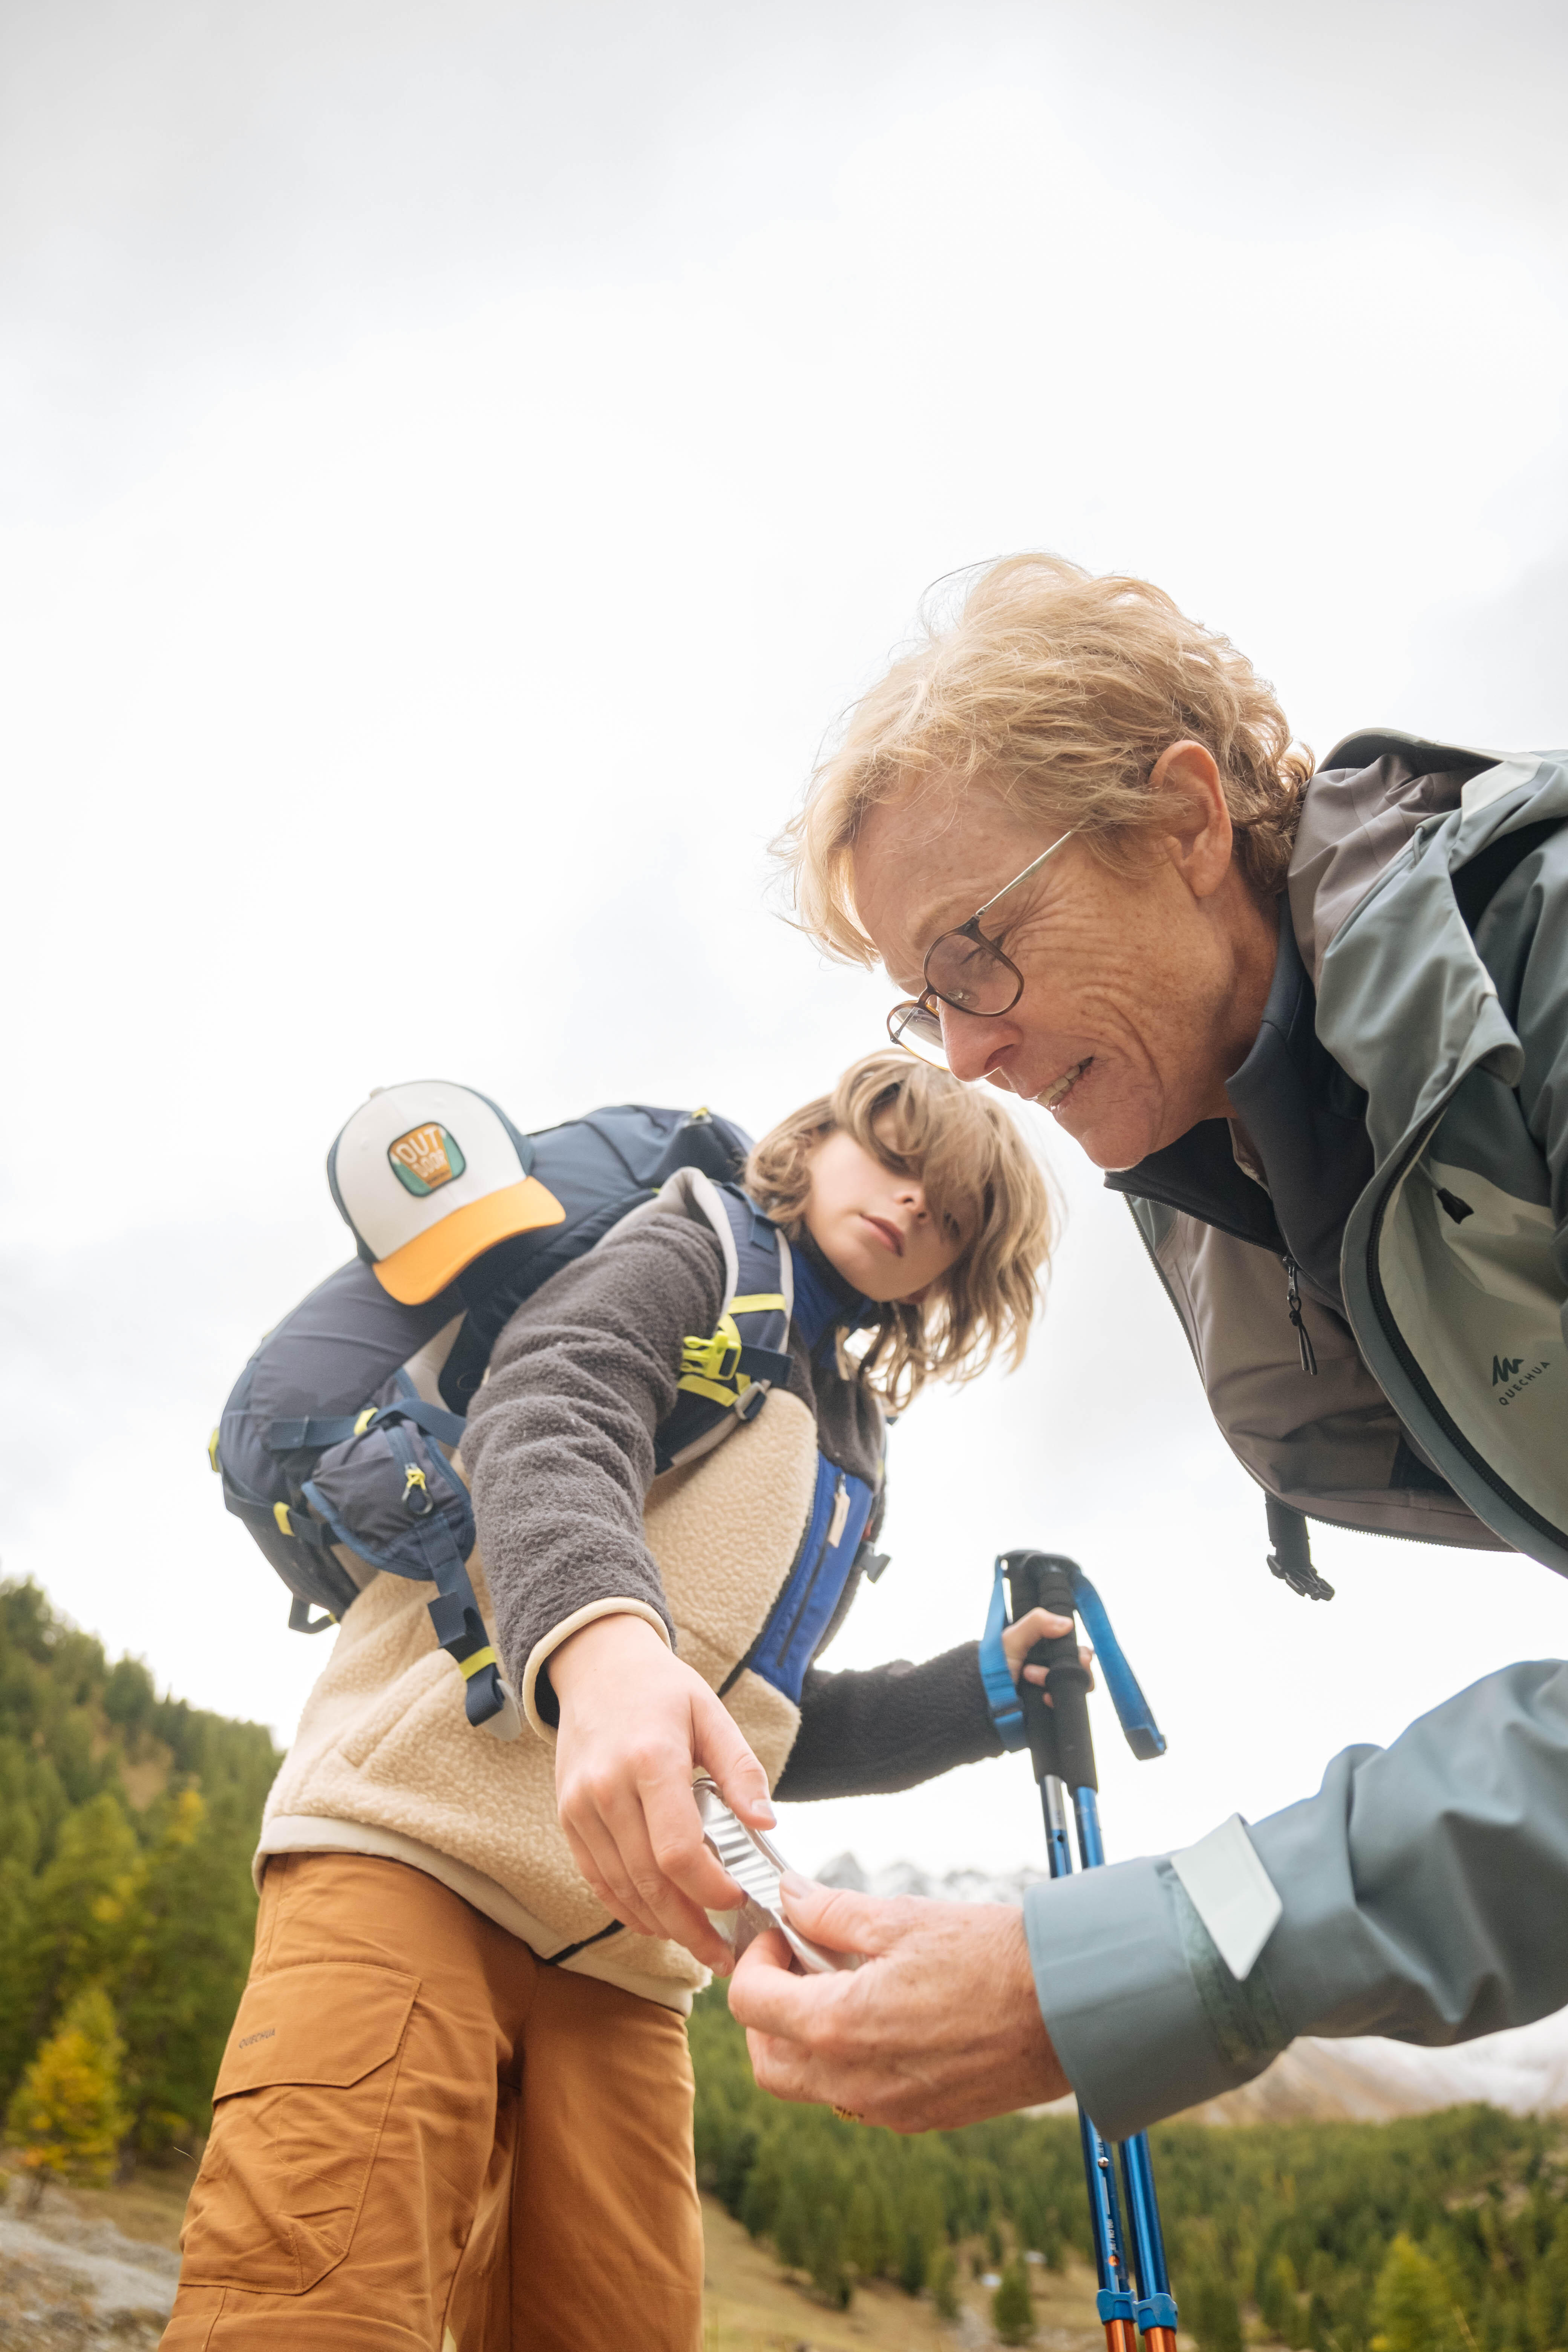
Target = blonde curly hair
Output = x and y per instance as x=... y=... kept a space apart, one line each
x=979 y=1176
x=1058 y=690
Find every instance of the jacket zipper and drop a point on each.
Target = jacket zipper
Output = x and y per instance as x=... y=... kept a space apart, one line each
x=1293 y=1304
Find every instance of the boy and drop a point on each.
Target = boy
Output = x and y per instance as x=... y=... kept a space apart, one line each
x=456 y=2107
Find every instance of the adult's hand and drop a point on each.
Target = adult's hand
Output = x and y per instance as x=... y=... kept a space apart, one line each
x=636 y=1724
x=939 y=2027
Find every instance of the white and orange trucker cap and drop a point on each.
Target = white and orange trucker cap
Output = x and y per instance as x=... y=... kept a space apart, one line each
x=429 y=1175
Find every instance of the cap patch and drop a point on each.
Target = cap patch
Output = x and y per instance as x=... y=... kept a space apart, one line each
x=426 y=1159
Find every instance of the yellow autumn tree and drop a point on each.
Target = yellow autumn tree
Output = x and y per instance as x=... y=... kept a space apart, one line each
x=66 y=2115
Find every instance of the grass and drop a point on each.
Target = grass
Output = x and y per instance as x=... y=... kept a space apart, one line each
x=148 y=2208
x=754 y=2307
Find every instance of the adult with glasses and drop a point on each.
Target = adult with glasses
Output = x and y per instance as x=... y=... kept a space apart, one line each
x=1314 y=1025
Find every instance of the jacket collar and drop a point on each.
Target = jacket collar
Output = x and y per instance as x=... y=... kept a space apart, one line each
x=1306 y=1121
x=822 y=1299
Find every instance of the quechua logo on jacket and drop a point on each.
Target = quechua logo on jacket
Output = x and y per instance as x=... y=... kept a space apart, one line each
x=426 y=1159
x=1510 y=1370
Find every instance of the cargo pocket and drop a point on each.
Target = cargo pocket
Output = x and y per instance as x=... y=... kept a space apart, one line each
x=298 y=2114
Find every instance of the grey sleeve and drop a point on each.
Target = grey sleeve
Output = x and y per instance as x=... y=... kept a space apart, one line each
x=866 y=1734
x=1425 y=1897
x=560 y=1446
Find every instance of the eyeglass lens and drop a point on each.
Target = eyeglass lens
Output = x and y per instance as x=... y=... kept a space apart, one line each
x=971 y=975
x=919 y=1030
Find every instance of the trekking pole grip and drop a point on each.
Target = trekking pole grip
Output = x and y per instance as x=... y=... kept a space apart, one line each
x=1041 y=1580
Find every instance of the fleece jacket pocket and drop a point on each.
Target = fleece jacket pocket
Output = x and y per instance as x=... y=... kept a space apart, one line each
x=297 y=2113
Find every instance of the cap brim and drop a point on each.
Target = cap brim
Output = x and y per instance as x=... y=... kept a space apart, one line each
x=423 y=1267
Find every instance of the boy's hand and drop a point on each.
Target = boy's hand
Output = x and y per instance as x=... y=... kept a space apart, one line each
x=634 y=1725
x=1018 y=1640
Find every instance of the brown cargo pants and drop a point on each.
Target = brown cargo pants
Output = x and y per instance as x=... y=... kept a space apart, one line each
x=423 y=2138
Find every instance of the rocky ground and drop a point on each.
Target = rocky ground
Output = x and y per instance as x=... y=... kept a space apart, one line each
x=71 y=2277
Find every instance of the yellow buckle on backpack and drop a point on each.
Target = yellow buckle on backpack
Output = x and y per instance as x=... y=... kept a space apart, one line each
x=711 y=1367
x=470 y=1667
x=717 y=1357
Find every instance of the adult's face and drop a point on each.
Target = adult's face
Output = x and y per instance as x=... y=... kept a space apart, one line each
x=1142 y=993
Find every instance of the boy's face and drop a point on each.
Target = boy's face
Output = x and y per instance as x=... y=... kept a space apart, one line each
x=873 y=1225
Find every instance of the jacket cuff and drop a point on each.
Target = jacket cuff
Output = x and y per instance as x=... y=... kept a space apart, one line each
x=537 y=1697
x=1145 y=2017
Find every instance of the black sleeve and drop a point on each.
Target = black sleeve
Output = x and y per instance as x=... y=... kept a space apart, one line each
x=868 y=1734
x=560 y=1444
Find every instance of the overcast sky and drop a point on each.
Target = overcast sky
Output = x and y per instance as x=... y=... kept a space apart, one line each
x=456 y=462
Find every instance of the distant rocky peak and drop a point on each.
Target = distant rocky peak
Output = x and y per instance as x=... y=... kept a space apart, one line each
x=952 y=1886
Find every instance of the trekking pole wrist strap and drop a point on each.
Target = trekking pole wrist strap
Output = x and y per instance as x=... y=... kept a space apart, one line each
x=1001 y=1695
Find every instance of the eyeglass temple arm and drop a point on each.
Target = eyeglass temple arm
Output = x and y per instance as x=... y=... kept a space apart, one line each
x=1033 y=867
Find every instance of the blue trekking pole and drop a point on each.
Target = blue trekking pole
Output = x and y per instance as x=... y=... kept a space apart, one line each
x=1134 y=2299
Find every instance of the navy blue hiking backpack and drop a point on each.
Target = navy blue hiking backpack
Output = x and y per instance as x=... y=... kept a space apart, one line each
x=335 y=1445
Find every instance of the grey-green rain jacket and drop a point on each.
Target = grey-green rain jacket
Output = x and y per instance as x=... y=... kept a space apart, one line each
x=1397 y=1175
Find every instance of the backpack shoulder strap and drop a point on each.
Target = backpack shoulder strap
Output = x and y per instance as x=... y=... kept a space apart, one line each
x=726 y=1374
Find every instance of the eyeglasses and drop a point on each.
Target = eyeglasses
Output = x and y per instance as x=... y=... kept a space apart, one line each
x=967 y=971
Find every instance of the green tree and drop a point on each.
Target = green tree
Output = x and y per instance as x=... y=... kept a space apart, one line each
x=828 y=2275
x=792 y=2229
x=944 y=2284
x=67 y=2115
x=16 y=1908
x=1012 y=2306
x=1278 y=2300
x=862 y=2238
x=78 y=1904
x=185 y=1944
x=1414 y=2307
x=915 y=2260
x=1212 y=2314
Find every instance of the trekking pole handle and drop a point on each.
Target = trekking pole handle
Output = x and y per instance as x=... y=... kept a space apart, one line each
x=1059 y=1737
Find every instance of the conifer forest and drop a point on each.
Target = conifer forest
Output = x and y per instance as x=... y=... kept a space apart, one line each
x=127 y=1824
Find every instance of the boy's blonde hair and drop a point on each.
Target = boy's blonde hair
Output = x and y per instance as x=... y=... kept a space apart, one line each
x=977 y=1171
x=1058 y=691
